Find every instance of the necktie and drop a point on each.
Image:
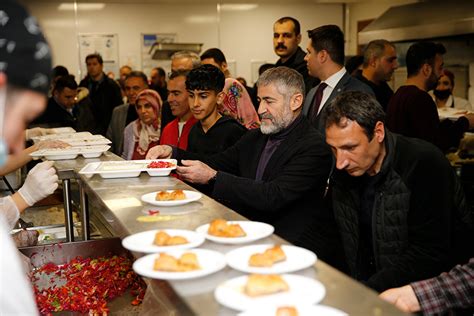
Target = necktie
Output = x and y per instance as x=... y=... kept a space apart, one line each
x=318 y=96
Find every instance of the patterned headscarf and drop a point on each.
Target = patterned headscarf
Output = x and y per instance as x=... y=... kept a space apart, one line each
x=25 y=55
x=145 y=134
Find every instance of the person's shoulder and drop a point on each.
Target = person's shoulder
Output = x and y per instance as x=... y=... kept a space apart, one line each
x=229 y=123
x=418 y=152
x=354 y=84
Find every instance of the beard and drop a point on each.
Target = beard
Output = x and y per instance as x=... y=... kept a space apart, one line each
x=432 y=82
x=277 y=123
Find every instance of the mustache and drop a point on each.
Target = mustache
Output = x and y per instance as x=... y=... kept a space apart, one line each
x=265 y=116
x=281 y=45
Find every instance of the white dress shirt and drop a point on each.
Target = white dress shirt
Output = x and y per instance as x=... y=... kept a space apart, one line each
x=332 y=81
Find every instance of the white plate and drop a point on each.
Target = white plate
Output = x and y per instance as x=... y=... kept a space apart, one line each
x=297 y=258
x=126 y=168
x=254 y=231
x=191 y=196
x=303 y=310
x=210 y=261
x=143 y=242
x=303 y=290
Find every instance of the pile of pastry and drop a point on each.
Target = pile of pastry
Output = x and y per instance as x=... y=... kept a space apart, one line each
x=221 y=228
x=170 y=195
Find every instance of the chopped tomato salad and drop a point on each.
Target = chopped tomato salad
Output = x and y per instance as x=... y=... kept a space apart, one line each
x=160 y=164
x=90 y=283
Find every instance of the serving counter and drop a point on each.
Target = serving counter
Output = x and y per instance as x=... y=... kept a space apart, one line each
x=117 y=202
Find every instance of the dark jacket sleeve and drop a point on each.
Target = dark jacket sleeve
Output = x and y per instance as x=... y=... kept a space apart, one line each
x=307 y=167
x=429 y=224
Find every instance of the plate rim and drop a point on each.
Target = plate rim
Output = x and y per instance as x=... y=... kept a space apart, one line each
x=181 y=275
x=266 y=270
x=235 y=240
x=169 y=248
x=239 y=306
x=173 y=203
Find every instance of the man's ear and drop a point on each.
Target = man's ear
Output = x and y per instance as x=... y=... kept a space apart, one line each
x=379 y=132
x=296 y=101
x=298 y=38
x=220 y=97
x=426 y=70
x=224 y=66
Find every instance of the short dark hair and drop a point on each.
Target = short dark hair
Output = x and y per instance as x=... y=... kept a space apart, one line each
x=178 y=73
x=296 y=23
x=356 y=106
x=59 y=71
x=375 y=49
x=161 y=71
x=264 y=68
x=329 y=38
x=137 y=74
x=97 y=56
x=67 y=81
x=353 y=62
x=205 y=77
x=216 y=54
x=422 y=53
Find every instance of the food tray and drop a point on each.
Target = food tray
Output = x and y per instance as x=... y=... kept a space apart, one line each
x=63 y=136
x=126 y=168
x=71 y=152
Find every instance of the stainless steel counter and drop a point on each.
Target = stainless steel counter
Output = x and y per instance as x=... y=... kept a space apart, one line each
x=119 y=204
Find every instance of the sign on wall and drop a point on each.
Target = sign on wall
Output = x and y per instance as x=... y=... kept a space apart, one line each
x=104 y=44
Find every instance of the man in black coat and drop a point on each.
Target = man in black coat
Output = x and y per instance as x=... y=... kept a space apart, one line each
x=276 y=174
x=103 y=91
x=398 y=204
x=64 y=111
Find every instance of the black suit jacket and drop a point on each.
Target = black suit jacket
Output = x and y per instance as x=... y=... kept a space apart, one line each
x=290 y=194
x=347 y=83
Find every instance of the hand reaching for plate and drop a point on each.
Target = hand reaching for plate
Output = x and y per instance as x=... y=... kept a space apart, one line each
x=160 y=151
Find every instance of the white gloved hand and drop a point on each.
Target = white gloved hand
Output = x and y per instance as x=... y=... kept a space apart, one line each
x=40 y=182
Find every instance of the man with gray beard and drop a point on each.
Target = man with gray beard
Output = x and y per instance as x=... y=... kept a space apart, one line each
x=276 y=174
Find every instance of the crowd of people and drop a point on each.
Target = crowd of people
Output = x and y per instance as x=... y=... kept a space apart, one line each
x=335 y=160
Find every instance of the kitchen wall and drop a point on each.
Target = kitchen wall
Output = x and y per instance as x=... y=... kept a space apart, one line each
x=244 y=33
x=365 y=11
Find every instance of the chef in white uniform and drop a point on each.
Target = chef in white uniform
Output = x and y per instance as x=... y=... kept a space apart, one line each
x=25 y=65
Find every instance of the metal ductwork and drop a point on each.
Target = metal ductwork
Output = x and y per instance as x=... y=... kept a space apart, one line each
x=423 y=20
x=164 y=51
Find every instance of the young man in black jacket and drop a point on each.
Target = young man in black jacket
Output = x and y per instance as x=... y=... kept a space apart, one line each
x=399 y=206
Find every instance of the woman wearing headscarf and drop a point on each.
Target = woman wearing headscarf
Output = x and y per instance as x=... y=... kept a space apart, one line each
x=143 y=133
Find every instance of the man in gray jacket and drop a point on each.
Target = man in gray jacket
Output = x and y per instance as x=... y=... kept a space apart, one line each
x=122 y=115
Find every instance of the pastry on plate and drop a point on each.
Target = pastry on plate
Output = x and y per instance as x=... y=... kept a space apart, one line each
x=268 y=257
x=187 y=262
x=276 y=254
x=287 y=311
x=258 y=284
x=162 y=238
x=178 y=195
x=260 y=260
x=176 y=240
x=220 y=228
